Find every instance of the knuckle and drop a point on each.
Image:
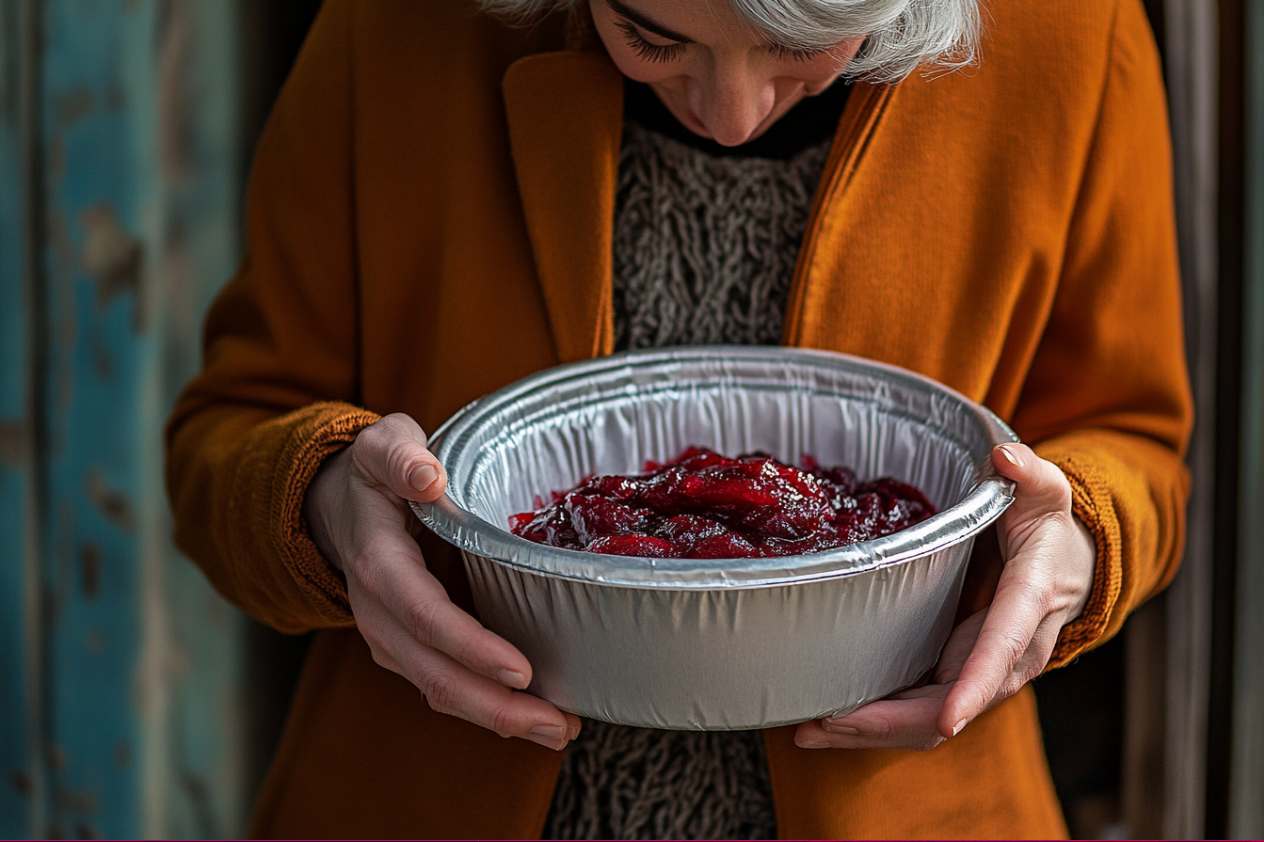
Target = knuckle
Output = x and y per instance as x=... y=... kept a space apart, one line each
x=439 y=688
x=878 y=728
x=371 y=439
x=1017 y=680
x=1011 y=644
x=402 y=427
x=422 y=623
x=1009 y=687
x=1014 y=645
x=501 y=721
x=368 y=576
x=400 y=456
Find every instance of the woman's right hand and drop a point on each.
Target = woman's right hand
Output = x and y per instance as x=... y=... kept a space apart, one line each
x=357 y=513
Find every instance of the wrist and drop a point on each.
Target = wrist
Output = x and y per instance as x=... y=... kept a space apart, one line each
x=320 y=499
x=1084 y=552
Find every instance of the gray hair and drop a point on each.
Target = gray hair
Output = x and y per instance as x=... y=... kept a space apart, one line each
x=903 y=35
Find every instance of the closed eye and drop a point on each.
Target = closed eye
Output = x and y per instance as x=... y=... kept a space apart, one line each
x=644 y=49
x=784 y=53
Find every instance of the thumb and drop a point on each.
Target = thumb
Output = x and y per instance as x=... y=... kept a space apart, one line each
x=1040 y=486
x=392 y=453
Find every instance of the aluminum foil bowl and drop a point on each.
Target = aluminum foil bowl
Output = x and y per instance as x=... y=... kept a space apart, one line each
x=706 y=644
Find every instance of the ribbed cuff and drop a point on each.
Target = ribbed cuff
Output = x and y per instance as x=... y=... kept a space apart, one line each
x=319 y=431
x=1091 y=503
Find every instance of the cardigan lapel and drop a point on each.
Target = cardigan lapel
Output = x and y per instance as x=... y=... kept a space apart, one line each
x=565 y=112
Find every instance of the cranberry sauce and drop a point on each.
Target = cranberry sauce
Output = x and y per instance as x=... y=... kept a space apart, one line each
x=704 y=505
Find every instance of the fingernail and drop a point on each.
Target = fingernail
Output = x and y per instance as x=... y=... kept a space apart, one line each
x=1010 y=456
x=549 y=736
x=956 y=729
x=509 y=678
x=422 y=476
x=835 y=728
x=816 y=744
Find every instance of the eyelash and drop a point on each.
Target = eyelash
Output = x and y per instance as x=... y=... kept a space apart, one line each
x=669 y=52
x=646 y=50
x=783 y=53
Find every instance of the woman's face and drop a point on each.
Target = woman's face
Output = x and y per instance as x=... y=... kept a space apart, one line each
x=712 y=71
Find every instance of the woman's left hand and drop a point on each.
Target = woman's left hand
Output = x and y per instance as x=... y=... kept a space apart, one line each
x=1049 y=562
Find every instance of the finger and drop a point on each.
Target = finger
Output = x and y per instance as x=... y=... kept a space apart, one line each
x=1033 y=661
x=451 y=688
x=1011 y=622
x=393 y=453
x=1041 y=487
x=410 y=594
x=905 y=720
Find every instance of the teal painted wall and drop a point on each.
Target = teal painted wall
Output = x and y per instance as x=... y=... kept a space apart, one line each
x=16 y=775
x=120 y=671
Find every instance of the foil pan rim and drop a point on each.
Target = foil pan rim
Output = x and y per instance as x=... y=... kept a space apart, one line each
x=475 y=535
x=989 y=497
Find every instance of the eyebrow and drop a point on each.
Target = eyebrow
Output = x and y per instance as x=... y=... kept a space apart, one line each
x=647 y=23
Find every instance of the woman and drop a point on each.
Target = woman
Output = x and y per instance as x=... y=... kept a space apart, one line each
x=442 y=204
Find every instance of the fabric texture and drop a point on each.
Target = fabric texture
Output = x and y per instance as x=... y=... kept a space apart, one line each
x=642 y=783
x=430 y=217
x=705 y=248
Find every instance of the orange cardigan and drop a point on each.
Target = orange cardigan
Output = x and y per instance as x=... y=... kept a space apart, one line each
x=429 y=218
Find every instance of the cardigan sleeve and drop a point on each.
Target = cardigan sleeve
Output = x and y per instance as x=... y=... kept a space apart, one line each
x=1119 y=430
x=278 y=387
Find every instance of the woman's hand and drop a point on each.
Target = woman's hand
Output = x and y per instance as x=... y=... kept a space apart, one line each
x=357 y=512
x=1049 y=561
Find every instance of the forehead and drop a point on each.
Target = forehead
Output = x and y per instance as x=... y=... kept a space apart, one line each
x=694 y=19
x=713 y=21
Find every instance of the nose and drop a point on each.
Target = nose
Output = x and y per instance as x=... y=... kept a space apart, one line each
x=733 y=100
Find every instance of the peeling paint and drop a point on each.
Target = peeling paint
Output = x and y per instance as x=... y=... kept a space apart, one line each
x=57 y=758
x=21 y=783
x=102 y=359
x=63 y=279
x=87 y=831
x=200 y=802
x=77 y=801
x=73 y=106
x=13 y=443
x=122 y=755
x=115 y=505
x=90 y=569
x=112 y=257
x=175 y=130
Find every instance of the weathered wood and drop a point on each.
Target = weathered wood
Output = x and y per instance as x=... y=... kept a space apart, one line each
x=19 y=794
x=193 y=661
x=121 y=673
x=1191 y=41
